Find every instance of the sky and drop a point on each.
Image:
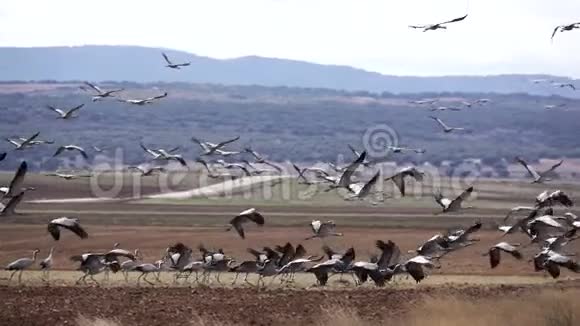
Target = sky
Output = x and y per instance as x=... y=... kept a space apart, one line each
x=499 y=36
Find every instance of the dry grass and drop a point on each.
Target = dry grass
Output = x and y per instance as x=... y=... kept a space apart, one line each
x=549 y=308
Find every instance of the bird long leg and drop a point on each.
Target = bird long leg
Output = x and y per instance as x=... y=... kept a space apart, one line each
x=80 y=278
x=12 y=275
x=146 y=280
x=20 y=276
x=126 y=276
x=235 y=278
x=93 y=279
x=139 y=278
x=246 y=279
x=218 y=278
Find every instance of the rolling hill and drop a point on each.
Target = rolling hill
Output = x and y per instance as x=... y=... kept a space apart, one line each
x=142 y=64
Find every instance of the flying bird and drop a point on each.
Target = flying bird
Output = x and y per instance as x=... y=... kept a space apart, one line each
x=8 y=209
x=15 y=186
x=65 y=115
x=399 y=178
x=71 y=148
x=323 y=229
x=541 y=176
x=23 y=144
x=546 y=199
x=564 y=28
x=102 y=94
x=397 y=149
x=162 y=154
x=174 y=65
x=432 y=27
x=564 y=85
x=454 y=205
x=495 y=252
x=345 y=179
x=250 y=215
x=446 y=128
x=361 y=191
x=71 y=224
x=68 y=176
x=146 y=171
x=145 y=101
x=211 y=148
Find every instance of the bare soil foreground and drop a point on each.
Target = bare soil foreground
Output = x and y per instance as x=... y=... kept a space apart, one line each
x=221 y=306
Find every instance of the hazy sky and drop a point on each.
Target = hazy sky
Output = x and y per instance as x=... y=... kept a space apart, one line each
x=499 y=36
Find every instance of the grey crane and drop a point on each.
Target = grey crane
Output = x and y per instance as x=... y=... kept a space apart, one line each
x=433 y=27
x=539 y=177
x=249 y=215
x=65 y=114
x=70 y=148
x=172 y=65
x=454 y=205
x=19 y=265
x=71 y=224
x=101 y=94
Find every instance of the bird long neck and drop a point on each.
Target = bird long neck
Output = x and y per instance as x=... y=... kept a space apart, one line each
x=50 y=253
x=34 y=253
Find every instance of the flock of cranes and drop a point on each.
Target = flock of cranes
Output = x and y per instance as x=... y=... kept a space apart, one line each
x=549 y=234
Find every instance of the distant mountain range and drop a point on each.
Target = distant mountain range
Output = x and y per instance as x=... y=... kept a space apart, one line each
x=143 y=64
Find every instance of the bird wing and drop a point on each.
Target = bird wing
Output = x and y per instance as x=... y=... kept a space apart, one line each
x=442 y=201
x=530 y=169
x=11 y=205
x=223 y=143
x=72 y=225
x=366 y=189
x=166 y=58
x=464 y=195
x=76 y=108
x=454 y=20
x=3 y=156
x=316 y=224
x=254 y=253
x=418 y=26
x=353 y=150
x=58 y=151
x=95 y=87
x=52 y=108
x=158 y=97
x=399 y=181
x=554 y=167
x=555 y=31
x=440 y=122
x=181 y=160
x=115 y=253
x=150 y=151
x=252 y=215
x=54 y=231
x=276 y=167
x=80 y=150
x=29 y=140
x=494 y=256
x=349 y=171
x=17 y=180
